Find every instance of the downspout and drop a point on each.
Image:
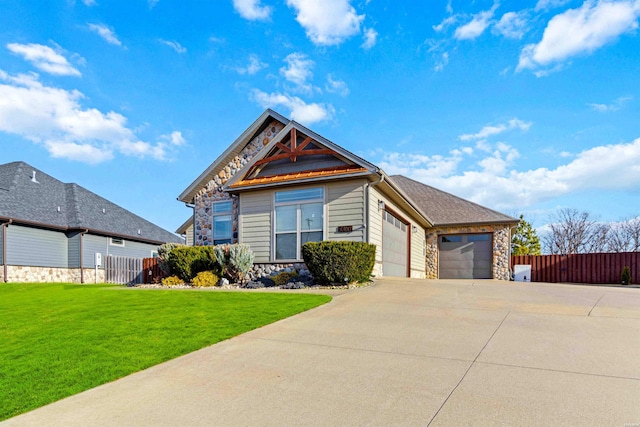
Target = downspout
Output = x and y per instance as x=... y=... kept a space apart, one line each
x=193 y=224
x=4 y=249
x=373 y=184
x=82 y=233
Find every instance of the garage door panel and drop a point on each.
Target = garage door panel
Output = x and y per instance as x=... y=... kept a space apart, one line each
x=394 y=247
x=466 y=256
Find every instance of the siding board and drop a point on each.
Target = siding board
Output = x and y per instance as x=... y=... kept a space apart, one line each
x=35 y=247
x=254 y=223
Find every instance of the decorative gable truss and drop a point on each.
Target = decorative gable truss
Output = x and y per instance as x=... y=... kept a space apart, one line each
x=298 y=155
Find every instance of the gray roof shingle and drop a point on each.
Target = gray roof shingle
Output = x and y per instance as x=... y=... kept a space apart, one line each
x=28 y=194
x=444 y=208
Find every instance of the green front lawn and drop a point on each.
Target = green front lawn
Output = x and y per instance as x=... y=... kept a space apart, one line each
x=60 y=339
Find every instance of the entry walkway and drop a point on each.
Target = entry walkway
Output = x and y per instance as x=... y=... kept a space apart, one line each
x=402 y=352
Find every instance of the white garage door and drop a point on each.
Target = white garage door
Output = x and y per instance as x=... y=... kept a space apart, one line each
x=465 y=256
x=394 y=246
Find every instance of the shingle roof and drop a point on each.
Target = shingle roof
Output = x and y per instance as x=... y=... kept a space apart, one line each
x=45 y=200
x=443 y=208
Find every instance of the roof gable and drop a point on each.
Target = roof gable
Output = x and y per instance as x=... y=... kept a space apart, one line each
x=295 y=155
x=37 y=198
x=269 y=123
x=446 y=209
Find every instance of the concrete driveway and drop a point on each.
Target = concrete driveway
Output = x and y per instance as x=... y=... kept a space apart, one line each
x=402 y=352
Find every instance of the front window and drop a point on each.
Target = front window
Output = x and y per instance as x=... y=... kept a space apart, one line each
x=222 y=222
x=298 y=219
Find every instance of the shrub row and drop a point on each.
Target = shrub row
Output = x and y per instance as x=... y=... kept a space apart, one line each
x=339 y=262
x=187 y=262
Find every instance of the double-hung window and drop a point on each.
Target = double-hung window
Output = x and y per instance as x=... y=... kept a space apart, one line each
x=222 y=222
x=299 y=219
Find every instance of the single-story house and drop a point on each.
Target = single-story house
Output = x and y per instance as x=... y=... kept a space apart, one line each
x=279 y=185
x=51 y=231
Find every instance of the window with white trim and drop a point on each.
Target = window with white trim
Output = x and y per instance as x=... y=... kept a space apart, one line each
x=222 y=222
x=116 y=241
x=299 y=218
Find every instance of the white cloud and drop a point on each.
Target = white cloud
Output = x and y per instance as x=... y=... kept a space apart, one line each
x=490 y=130
x=370 y=38
x=152 y=3
x=106 y=33
x=55 y=119
x=90 y=3
x=300 y=111
x=444 y=60
x=44 y=58
x=614 y=106
x=512 y=25
x=174 y=45
x=252 y=10
x=298 y=71
x=327 y=22
x=476 y=27
x=550 y=4
x=501 y=186
x=336 y=86
x=580 y=31
x=446 y=23
x=253 y=67
x=175 y=138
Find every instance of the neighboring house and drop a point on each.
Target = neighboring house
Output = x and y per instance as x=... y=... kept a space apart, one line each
x=279 y=185
x=186 y=231
x=49 y=229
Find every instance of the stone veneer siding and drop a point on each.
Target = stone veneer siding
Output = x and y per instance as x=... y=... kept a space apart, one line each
x=501 y=247
x=24 y=274
x=203 y=213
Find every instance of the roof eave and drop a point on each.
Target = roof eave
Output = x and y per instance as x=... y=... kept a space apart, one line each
x=261 y=186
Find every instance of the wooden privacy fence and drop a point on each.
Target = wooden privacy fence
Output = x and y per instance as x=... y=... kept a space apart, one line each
x=581 y=268
x=151 y=270
x=123 y=270
x=131 y=271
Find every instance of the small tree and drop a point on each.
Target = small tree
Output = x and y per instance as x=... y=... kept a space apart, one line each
x=525 y=240
x=625 y=277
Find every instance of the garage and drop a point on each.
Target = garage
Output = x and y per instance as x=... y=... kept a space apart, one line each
x=395 y=244
x=465 y=256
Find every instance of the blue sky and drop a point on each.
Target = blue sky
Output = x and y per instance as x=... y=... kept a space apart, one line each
x=524 y=107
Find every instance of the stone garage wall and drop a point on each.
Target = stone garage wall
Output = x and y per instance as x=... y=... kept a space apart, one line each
x=203 y=232
x=501 y=247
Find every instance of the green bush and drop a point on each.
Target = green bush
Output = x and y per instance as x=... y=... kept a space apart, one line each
x=283 y=277
x=163 y=254
x=187 y=261
x=205 y=279
x=172 y=281
x=234 y=261
x=625 y=277
x=339 y=262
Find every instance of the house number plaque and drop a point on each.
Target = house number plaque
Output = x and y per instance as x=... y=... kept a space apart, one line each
x=345 y=229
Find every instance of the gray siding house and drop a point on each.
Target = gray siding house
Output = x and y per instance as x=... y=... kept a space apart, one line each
x=279 y=185
x=52 y=231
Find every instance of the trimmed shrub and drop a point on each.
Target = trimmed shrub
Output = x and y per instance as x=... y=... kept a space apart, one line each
x=205 y=279
x=172 y=281
x=187 y=261
x=234 y=261
x=163 y=254
x=339 y=262
x=625 y=277
x=283 y=277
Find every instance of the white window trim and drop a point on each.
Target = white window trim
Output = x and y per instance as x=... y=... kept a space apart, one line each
x=275 y=204
x=112 y=243
x=215 y=214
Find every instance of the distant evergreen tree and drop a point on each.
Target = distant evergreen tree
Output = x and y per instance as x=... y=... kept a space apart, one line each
x=525 y=240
